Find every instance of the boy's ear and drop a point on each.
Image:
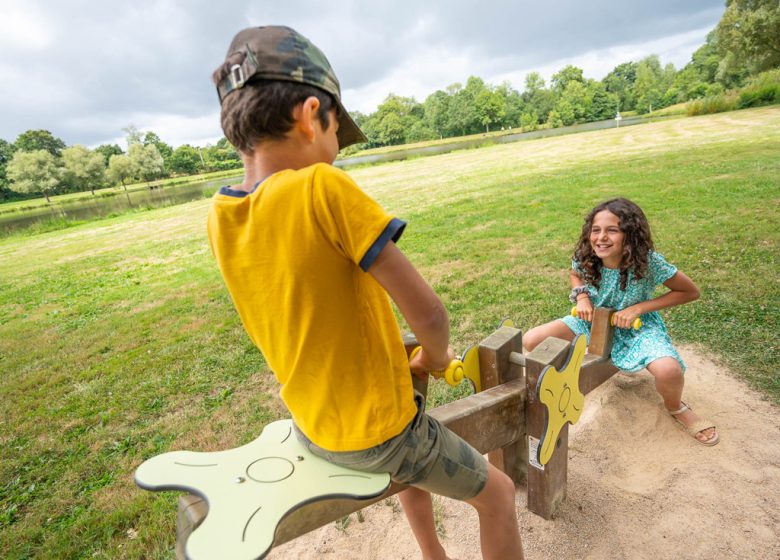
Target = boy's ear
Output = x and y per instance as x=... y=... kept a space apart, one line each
x=305 y=114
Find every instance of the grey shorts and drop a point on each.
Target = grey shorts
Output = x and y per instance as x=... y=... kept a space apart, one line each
x=425 y=455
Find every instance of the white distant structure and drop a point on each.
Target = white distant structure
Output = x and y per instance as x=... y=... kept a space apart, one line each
x=618 y=118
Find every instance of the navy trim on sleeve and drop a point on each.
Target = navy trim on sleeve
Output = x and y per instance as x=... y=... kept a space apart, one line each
x=392 y=232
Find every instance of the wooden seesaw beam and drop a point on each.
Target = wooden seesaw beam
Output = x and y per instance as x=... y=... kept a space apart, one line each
x=496 y=421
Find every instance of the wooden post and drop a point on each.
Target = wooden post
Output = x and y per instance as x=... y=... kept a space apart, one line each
x=546 y=485
x=496 y=369
x=601 y=332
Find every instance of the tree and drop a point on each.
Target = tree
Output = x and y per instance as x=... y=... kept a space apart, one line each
x=621 y=82
x=185 y=159
x=648 y=86
x=120 y=169
x=748 y=36
x=6 y=153
x=490 y=107
x=147 y=162
x=132 y=135
x=436 y=112
x=33 y=172
x=150 y=138
x=33 y=140
x=83 y=168
x=564 y=76
x=108 y=150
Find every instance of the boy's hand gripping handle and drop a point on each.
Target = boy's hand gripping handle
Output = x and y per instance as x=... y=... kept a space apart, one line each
x=636 y=324
x=454 y=373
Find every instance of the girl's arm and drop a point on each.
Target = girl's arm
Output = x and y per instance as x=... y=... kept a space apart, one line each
x=584 y=305
x=681 y=290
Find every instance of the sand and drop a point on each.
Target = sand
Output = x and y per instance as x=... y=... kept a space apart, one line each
x=639 y=487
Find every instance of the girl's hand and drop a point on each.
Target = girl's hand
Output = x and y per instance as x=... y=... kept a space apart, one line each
x=584 y=308
x=421 y=365
x=624 y=318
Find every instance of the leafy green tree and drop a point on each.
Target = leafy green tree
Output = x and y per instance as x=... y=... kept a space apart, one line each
x=538 y=100
x=574 y=103
x=147 y=162
x=108 y=150
x=185 y=159
x=566 y=75
x=621 y=82
x=648 y=88
x=7 y=150
x=436 y=113
x=34 y=172
x=529 y=121
x=603 y=105
x=150 y=138
x=221 y=156
x=33 y=140
x=513 y=104
x=120 y=169
x=490 y=107
x=83 y=169
x=748 y=36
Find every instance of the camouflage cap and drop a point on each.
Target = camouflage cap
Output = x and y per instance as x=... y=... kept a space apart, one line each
x=281 y=53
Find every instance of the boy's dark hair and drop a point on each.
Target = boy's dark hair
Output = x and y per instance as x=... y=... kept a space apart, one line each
x=637 y=243
x=262 y=109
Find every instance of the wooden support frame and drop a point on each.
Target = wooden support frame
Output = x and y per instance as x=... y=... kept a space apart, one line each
x=547 y=486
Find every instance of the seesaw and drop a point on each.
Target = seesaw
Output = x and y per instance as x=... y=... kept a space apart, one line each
x=244 y=501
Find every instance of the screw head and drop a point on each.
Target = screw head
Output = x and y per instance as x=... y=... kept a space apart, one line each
x=240 y=479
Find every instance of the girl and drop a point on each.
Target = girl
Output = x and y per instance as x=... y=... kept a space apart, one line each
x=615 y=266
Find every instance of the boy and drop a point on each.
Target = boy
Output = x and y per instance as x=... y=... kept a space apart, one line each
x=309 y=260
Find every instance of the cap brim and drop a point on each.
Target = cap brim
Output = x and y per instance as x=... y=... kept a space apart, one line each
x=349 y=132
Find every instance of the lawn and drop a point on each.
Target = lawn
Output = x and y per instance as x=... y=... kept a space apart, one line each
x=118 y=340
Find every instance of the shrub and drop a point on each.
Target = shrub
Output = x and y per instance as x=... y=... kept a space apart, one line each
x=713 y=104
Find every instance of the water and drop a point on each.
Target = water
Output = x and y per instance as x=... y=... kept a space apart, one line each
x=102 y=206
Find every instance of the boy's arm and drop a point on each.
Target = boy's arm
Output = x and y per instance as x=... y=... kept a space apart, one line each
x=419 y=305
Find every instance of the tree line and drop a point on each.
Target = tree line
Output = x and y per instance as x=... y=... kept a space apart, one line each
x=40 y=163
x=743 y=45
x=745 y=42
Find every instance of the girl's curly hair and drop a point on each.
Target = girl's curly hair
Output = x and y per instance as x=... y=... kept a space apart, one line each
x=636 y=245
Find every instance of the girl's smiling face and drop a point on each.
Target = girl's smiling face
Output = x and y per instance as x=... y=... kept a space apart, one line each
x=606 y=239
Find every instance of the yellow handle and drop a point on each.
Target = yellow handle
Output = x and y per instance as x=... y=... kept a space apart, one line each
x=636 y=324
x=454 y=373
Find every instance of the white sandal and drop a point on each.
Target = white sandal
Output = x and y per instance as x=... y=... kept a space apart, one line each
x=698 y=426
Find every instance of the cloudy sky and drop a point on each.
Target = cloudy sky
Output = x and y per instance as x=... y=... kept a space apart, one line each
x=84 y=69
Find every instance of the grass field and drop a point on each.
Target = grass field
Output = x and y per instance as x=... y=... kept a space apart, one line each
x=118 y=340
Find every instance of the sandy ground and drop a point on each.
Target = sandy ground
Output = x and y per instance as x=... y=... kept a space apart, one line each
x=639 y=487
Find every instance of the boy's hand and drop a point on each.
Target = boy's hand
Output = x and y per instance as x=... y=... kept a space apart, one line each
x=421 y=364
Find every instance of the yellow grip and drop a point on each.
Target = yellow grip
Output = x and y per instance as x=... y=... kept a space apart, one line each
x=454 y=373
x=636 y=323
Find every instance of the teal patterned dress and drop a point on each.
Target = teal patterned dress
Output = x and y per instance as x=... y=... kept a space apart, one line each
x=632 y=350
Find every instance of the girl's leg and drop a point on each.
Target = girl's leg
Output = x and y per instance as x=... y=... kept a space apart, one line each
x=669 y=382
x=537 y=335
x=418 y=507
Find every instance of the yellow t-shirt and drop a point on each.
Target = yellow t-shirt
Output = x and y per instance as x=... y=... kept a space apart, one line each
x=294 y=255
